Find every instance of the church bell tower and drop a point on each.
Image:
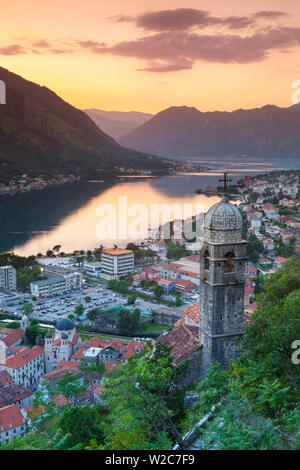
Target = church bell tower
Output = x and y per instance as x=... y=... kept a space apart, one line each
x=222 y=271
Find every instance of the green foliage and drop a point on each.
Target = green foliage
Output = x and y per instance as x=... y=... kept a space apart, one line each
x=79 y=310
x=81 y=424
x=27 y=308
x=175 y=251
x=27 y=275
x=118 y=286
x=255 y=247
x=129 y=322
x=144 y=402
x=283 y=281
x=158 y=292
x=92 y=314
x=131 y=299
x=33 y=331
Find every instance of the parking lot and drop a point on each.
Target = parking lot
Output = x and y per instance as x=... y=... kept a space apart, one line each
x=61 y=306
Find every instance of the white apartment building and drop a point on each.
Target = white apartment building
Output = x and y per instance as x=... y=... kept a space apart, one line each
x=26 y=366
x=116 y=262
x=8 y=277
x=56 y=285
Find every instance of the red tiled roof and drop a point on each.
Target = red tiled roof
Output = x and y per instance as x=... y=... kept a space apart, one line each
x=97 y=389
x=131 y=349
x=5 y=378
x=117 y=345
x=184 y=340
x=10 y=415
x=96 y=342
x=12 y=335
x=164 y=281
x=185 y=283
x=192 y=312
x=252 y=306
x=34 y=411
x=67 y=365
x=79 y=353
x=117 y=251
x=109 y=365
x=22 y=357
x=13 y=393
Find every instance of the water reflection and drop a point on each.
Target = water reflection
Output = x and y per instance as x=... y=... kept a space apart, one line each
x=36 y=221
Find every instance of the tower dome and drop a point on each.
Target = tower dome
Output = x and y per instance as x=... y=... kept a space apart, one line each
x=223 y=222
x=64 y=325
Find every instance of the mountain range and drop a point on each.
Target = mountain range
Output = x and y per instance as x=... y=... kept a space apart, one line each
x=117 y=123
x=42 y=133
x=186 y=133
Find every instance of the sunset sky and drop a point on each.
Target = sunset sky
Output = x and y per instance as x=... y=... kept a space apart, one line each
x=149 y=55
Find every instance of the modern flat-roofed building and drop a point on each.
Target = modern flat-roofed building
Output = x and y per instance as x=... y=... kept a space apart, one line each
x=92 y=267
x=56 y=285
x=8 y=277
x=9 y=298
x=52 y=271
x=48 y=287
x=116 y=262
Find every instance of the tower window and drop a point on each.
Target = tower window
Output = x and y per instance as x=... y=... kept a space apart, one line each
x=229 y=262
x=206 y=260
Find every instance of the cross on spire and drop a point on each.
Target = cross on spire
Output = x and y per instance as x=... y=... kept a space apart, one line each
x=225 y=181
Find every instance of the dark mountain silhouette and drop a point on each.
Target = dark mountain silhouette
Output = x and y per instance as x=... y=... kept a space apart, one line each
x=41 y=133
x=117 y=123
x=183 y=132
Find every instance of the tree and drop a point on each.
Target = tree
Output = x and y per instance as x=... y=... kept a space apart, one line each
x=82 y=423
x=178 y=301
x=87 y=299
x=128 y=322
x=92 y=314
x=144 y=402
x=56 y=248
x=255 y=247
x=27 y=308
x=79 y=310
x=284 y=280
x=158 y=291
x=33 y=331
x=28 y=274
x=131 y=299
x=49 y=253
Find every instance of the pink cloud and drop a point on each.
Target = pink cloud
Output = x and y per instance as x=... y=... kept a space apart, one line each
x=14 y=49
x=182 y=19
x=172 y=51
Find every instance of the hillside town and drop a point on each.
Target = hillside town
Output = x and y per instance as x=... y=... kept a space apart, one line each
x=75 y=303
x=25 y=183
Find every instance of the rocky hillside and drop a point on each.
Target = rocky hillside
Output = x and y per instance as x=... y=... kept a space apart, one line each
x=41 y=133
x=117 y=123
x=183 y=132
